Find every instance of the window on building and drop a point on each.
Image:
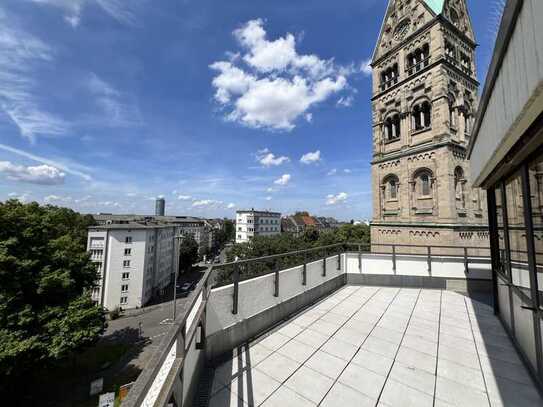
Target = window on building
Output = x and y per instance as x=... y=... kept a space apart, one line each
x=450 y=50
x=127 y=252
x=418 y=59
x=125 y=276
x=124 y=300
x=392 y=127
x=468 y=118
x=128 y=239
x=126 y=263
x=452 y=112
x=459 y=182
x=391 y=187
x=422 y=116
x=389 y=76
x=124 y=288
x=424 y=183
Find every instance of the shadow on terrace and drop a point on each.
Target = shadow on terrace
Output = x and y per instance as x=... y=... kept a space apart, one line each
x=338 y=325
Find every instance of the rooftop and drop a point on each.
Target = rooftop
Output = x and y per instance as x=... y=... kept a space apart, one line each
x=376 y=346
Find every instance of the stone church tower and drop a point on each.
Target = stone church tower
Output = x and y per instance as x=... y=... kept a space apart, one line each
x=424 y=102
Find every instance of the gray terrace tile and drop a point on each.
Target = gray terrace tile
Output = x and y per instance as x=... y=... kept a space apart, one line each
x=326 y=364
x=278 y=367
x=363 y=380
x=284 y=397
x=309 y=384
x=368 y=346
x=297 y=351
x=342 y=396
x=398 y=394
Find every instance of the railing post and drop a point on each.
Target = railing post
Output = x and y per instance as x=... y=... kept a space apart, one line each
x=324 y=264
x=236 y=290
x=466 y=268
x=304 y=270
x=276 y=282
x=339 y=260
x=429 y=259
x=394 y=258
x=360 y=258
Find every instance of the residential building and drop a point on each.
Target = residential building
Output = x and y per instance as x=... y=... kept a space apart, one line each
x=135 y=261
x=330 y=223
x=506 y=154
x=188 y=225
x=253 y=223
x=298 y=223
x=424 y=103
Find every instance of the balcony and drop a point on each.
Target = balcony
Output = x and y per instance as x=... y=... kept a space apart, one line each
x=338 y=325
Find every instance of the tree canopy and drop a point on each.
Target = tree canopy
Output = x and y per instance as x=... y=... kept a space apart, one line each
x=188 y=253
x=46 y=312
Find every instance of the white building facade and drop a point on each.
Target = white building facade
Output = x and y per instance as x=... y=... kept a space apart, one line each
x=134 y=262
x=253 y=223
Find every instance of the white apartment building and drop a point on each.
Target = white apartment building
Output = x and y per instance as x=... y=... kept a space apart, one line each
x=134 y=260
x=256 y=223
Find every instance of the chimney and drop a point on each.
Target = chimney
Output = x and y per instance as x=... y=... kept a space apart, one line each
x=160 y=207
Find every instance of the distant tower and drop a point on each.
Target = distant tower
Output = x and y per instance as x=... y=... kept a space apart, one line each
x=424 y=100
x=160 y=207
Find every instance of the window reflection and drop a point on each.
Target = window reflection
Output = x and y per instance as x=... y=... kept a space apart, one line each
x=518 y=246
x=536 y=192
x=504 y=264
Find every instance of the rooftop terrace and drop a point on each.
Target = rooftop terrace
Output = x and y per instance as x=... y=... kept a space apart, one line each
x=375 y=346
x=337 y=325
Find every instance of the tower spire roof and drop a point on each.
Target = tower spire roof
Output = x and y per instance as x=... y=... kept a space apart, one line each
x=435 y=5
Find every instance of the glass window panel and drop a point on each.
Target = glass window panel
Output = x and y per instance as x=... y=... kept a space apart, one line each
x=536 y=191
x=504 y=265
x=518 y=255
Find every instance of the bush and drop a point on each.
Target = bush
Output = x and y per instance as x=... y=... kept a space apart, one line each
x=115 y=313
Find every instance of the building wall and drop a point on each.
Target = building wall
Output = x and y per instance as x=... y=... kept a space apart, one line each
x=445 y=81
x=252 y=223
x=517 y=94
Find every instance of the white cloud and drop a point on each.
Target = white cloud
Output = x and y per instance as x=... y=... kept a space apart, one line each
x=268 y=159
x=283 y=180
x=333 y=171
x=120 y=10
x=231 y=206
x=347 y=171
x=117 y=111
x=336 y=199
x=346 y=101
x=269 y=198
x=20 y=197
x=276 y=86
x=311 y=158
x=206 y=203
x=365 y=67
x=184 y=197
x=270 y=190
x=47 y=161
x=41 y=174
x=21 y=55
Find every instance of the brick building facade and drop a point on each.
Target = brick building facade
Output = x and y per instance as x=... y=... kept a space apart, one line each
x=423 y=105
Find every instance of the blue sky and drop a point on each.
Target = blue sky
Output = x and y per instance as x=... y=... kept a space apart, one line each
x=216 y=105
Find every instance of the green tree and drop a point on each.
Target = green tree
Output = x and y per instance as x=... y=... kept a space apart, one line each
x=188 y=253
x=46 y=313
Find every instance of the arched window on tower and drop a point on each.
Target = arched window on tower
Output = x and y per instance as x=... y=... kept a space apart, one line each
x=422 y=116
x=418 y=59
x=453 y=120
x=468 y=119
x=392 y=127
x=389 y=77
x=459 y=182
x=391 y=187
x=423 y=180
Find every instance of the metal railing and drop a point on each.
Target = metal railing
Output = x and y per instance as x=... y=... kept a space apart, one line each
x=155 y=385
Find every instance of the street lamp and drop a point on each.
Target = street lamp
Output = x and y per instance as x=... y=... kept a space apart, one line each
x=177 y=250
